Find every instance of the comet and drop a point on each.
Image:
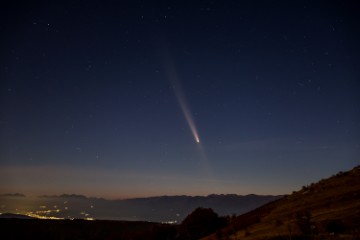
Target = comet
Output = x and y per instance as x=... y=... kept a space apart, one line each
x=173 y=77
x=189 y=119
x=185 y=109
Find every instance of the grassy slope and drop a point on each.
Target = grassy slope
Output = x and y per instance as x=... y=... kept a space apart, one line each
x=337 y=197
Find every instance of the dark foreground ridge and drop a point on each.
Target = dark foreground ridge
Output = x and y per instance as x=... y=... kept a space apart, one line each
x=79 y=229
x=201 y=222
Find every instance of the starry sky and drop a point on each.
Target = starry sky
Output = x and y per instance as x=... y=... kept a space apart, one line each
x=106 y=98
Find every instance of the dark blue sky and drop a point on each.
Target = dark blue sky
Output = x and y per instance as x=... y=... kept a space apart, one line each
x=88 y=104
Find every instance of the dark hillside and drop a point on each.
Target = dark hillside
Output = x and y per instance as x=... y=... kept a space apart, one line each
x=328 y=208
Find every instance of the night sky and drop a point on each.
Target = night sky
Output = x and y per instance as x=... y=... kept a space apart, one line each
x=108 y=98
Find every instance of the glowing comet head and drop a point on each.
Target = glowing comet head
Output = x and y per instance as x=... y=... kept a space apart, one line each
x=197 y=140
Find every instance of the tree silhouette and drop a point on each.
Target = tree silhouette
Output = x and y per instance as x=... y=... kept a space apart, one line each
x=200 y=223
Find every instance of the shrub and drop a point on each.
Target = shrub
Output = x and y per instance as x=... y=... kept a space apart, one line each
x=335 y=226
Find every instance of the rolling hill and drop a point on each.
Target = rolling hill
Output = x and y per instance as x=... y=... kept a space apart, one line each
x=328 y=209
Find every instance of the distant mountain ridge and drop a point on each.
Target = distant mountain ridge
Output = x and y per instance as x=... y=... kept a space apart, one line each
x=157 y=209
x=223 y=204
x=12 y=195
x=78 y=196
x=14 y=216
